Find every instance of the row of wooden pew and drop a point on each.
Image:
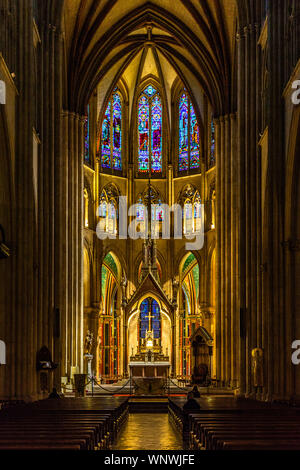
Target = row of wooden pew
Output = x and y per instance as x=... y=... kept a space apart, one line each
x=63 y=424
x=237 y=428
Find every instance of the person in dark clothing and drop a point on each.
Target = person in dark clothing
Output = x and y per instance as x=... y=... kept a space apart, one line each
x=196 y=392
x=191 y=403
x=54 y=394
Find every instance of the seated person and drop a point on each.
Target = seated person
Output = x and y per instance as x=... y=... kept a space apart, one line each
x=54 y=394
x=196 y=392
x=191 y=404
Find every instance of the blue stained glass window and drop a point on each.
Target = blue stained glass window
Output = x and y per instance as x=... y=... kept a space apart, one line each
x=189 y=136
x=194 y=136
x=150 y=131
x=144 y=134
x=117 y=132
x=87 y=137
x=144 y=325
x=156 y=165
x=155 y=319
x=212 y=145
x=150 y=318
x=150 y=91
x=111 y=135
x=106 y=138
x=183 y=133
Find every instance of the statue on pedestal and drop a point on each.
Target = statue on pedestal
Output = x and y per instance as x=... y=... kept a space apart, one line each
x=257 y=369
x=88 y=344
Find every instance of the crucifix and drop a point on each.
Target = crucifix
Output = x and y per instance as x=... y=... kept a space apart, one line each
x=149 y=316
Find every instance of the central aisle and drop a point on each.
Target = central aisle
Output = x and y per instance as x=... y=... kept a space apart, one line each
x=148 y=432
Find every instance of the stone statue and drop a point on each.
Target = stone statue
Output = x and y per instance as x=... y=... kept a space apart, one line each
x=257 y=368
x=88 y=343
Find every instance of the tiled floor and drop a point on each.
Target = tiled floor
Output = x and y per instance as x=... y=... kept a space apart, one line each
x=148 y=432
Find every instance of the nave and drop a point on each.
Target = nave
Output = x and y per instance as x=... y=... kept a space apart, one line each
x=149 y=228
x=211 y=422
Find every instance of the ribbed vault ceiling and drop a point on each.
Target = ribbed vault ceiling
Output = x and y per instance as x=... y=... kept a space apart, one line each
x=112 y=39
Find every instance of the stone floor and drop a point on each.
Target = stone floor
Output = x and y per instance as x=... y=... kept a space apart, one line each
x=148 y=432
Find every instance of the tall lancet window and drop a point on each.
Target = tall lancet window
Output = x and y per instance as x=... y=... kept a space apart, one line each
x=87 y=158
x=111 y=135
x=212 y=156
x=189 y=136
x=150 y=132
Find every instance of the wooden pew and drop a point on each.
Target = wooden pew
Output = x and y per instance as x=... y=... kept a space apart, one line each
x=65 y=424
x=237 y=425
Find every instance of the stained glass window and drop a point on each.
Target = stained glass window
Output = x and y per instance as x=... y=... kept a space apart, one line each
x=212 y=160
x=150 y=91
x=188 y=217
x=111 y=135
x=106 y=139
x=87 y=136
x=117 y=132
x=108 y=211
x=156 y=135
x=197 y=214
x=150 y=131
x=194 y=155
x=140 y=212
x=143 y=135
x=189 y=136
x=157 y=211
x=150 y=318
x=155 y=319
x=183 y=133
x=144 y=325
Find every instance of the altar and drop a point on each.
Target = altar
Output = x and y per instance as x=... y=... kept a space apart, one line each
x=149 y=369
x=149 y=378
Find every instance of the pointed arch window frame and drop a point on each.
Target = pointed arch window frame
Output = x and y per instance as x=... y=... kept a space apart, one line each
x=108 y=212
x=193 y=202
x=191 y=105
x=150 y=97
x=110 y=104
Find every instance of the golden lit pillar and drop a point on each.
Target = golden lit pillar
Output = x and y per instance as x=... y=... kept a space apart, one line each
x=218 y=338
x=234 y=299
x=242 y=207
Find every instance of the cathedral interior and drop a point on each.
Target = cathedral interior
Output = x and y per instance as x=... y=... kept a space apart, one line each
x=130 y=130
